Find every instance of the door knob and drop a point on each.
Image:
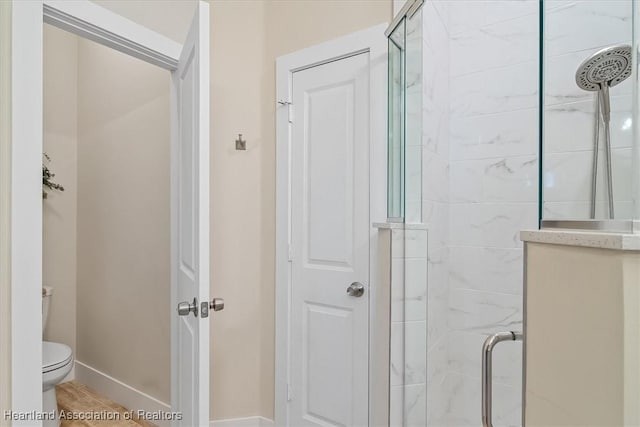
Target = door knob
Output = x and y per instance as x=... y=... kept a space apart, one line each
x=217 y=304
x=356 y=289
x=185 y=307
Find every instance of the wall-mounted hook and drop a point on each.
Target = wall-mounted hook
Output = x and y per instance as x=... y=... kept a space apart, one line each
x=241 y=144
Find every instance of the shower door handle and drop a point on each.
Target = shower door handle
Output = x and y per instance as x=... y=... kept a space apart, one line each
x=487 y=375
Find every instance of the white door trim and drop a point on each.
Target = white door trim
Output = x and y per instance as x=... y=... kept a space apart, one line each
x=96 y=23
x=88 y=20
x=370 y=40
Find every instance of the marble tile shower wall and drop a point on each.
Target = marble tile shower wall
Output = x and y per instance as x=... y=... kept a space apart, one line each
x=408 y=370
x=435 y=198
x=573 y=31
x=480 y=189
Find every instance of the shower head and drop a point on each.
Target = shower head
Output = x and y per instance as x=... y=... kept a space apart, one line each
x=608 y=66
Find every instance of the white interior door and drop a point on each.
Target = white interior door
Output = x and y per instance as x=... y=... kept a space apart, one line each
x=190 y=226
x=330 y=244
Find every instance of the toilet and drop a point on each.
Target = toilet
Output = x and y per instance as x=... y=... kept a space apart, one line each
x=57 y=361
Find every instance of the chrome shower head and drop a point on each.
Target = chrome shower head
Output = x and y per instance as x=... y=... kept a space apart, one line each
x=608 y=66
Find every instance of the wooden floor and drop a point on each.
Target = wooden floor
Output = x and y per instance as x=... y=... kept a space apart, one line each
x=78 y=401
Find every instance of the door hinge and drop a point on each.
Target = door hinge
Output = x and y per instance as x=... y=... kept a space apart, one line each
x=289 y=109
x=289 y=393
x=290 y=254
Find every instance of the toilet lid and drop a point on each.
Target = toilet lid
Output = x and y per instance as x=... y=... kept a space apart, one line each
x=54 y=356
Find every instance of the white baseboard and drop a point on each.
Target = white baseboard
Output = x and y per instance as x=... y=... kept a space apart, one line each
x=243 y=422
x=134 y=399
x=120 y=392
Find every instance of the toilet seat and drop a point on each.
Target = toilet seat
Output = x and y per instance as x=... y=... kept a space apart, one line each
x=55 y=356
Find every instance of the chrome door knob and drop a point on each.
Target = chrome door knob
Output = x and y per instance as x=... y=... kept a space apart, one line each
x=356 y=289
x=217 y=304
x=185 y=307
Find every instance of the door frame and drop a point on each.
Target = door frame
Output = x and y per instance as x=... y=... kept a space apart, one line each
x=96 y=23
x=373 y=41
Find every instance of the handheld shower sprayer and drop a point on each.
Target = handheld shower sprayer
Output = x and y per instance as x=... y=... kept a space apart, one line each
x=602 y=70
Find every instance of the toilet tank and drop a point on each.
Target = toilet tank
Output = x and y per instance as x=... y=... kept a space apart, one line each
x=47 y=291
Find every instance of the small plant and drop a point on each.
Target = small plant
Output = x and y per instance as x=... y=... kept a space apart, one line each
x=47 y=177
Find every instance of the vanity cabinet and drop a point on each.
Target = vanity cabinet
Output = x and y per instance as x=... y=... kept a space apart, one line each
x=582 y=329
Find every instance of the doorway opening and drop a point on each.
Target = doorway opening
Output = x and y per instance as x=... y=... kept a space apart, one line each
x=187 y=222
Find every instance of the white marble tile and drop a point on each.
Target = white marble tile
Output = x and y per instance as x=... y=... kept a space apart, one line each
x=397 y=354
x=484 y=312
x=435 y=31
x=567 y=177
x=560 y=81
x=438 y=272
x=397 y=290
x=435 y=129
x=567 y=184
x=437 y=360
x=465 y=357
x=583 y=25
x=436 y=214
x=494 y=91
x=582 y=210
x=508 y=405
x=413 y=212
x=486 y=269
x=397 y=243
x=414 y=28
x=436 y=177
x=472 y=14
x=511 y=133
x=436 y=373
x=416 y=243
x=491 y=224
x=437 y=314
x=495 y=45
x=466 y=181
x=415 y=405
x=415 y=289
x=466 y=224
x=464 y=403
x=511 y=179
x=443 y=9
x=435 y=65
x=570 y=126
x=571 y=210
x=415 y=352
x=396 y=406
x=413 y=173
x=435 y=136
x=621 y=159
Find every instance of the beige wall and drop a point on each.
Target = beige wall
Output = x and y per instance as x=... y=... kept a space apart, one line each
x=5 y=201
x=123 y=268
x=237 y=208
x=59 y=208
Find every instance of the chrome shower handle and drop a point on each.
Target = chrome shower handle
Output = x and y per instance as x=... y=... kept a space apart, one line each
x=487 y=375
